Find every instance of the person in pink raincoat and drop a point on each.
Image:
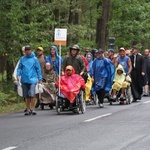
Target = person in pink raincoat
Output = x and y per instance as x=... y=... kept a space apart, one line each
x=70 y=84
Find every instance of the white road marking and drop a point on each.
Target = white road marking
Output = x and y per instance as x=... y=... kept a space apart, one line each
x=10 y=148
x=146 y=102
x=98 y=117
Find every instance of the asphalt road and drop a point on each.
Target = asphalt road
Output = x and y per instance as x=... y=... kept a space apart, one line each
x=114 y=127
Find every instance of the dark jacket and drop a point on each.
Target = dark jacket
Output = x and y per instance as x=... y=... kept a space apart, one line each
x=76 y=62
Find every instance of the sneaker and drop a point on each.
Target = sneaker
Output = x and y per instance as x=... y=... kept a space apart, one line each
x=145 y=94
x=101 y=105
x=27 y=113
x=33 y=112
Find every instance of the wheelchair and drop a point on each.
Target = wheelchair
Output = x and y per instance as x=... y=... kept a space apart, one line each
x=127 y=100
x=93 y=98
x=62 y=104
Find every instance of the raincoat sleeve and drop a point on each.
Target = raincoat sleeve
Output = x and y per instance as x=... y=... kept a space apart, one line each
x=111 y=73
x=19 y=68
x=38 y=70
x=48 y=59
x=64 y=64
x=82 y=64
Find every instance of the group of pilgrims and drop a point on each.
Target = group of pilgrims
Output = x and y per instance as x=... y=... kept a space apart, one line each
x=96 y=72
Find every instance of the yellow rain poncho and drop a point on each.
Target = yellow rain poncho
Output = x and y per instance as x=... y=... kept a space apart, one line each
x=88 y=88
x=121 y=80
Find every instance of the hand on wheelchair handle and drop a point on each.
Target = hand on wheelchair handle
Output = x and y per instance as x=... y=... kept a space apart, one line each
x=128 y=74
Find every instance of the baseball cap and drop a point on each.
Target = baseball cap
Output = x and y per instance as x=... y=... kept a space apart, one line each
x=99 y=51
x=122 y=49
x=40 y=48
x=27 y=48
x=111 y=50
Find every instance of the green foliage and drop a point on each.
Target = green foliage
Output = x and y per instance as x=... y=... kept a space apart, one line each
x=7 y=95
x=3 y=99
x=130 y=22
x=33 y=22
x=8 y=98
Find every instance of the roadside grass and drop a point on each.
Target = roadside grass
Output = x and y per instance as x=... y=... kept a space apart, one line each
x=11 y=102
x=12 y=108
x=9 y=99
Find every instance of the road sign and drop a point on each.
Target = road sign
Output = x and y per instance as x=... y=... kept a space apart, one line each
x=60 y=37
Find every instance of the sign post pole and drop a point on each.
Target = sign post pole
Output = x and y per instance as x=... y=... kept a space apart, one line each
x=60 y=39
x=59 y=67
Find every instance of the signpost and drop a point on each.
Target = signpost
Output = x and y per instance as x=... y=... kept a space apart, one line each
x=60 y=38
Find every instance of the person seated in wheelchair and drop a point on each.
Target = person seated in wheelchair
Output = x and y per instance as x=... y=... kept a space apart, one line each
x=121 y=83
x=70 y=85
x=49 y=78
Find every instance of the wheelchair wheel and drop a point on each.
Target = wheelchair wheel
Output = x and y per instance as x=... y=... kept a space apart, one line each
x=51 y=106
x=78 y=110
x=82 y=103
x=42 y=106
x=129 y=96
x=58 y=107
x=110 y=102
x=58 y=110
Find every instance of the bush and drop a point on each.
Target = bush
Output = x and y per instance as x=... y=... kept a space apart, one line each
x=7 y=94
x=3 y=99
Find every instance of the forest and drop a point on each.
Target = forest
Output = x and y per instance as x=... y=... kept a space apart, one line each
x=89 y=23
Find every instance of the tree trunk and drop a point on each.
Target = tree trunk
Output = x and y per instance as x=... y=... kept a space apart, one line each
x=70 y=13
x=74 y=18
x=9 y=70
x=102 y=22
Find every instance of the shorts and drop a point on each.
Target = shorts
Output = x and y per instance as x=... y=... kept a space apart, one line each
x=145 y=80
x=28 y=90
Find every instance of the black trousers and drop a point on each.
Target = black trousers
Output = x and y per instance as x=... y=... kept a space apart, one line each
x=137 y=84
x=101 y=94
